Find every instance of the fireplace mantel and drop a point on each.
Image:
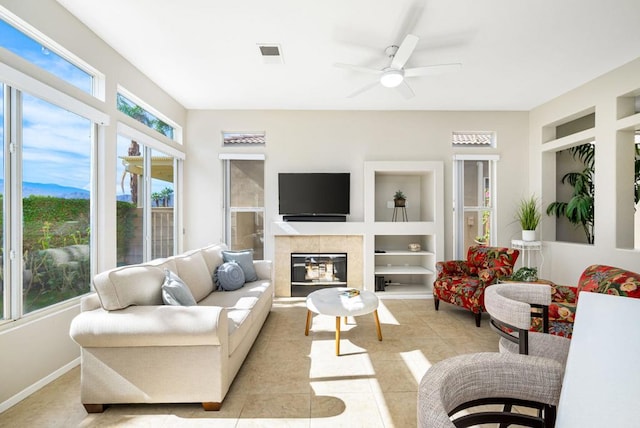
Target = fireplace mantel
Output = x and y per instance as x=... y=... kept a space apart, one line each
x=295 y=228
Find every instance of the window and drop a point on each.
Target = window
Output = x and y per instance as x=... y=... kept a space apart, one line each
x=474 y=202
x=42 y=53
x=244 y=204
x=4 y=293
x=46 y=211
x=46 y=174
x=146 y=222
x=142 y=115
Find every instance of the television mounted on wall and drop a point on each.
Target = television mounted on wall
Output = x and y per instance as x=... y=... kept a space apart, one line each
x=314 y=196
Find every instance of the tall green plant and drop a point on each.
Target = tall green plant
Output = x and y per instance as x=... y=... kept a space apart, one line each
x=579 y=210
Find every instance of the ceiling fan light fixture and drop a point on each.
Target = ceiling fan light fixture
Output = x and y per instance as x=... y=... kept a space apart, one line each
x=391 y=78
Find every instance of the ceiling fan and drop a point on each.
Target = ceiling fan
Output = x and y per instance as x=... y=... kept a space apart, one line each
x=393 y=76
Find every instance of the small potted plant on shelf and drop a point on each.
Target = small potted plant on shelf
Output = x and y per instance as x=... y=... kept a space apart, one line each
x=528 y=214
x=399 y=199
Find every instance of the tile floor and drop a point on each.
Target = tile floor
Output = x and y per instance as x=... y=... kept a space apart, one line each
x=293 y=380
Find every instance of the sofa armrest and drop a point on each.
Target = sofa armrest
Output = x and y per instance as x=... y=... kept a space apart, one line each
x=90 y=302
x=263 y=268
x=140 y=326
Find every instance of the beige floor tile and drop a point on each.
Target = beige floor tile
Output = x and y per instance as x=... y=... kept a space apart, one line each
x=290 y=410
x=293 y=380
x=398 y=409
x=345 y=410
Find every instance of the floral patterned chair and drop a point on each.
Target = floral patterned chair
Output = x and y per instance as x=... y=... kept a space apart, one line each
x=462 y=282
x=596 y=279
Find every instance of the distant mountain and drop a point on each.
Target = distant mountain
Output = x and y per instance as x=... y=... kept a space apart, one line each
x=48 y=189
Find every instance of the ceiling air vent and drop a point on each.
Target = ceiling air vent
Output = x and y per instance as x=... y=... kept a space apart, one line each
x=271 y=54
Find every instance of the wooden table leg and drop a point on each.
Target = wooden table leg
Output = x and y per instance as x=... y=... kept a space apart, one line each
x=337 y=335
x=375 y=315
x=306 y=330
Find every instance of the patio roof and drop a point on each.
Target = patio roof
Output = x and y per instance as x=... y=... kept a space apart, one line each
x=161 y=166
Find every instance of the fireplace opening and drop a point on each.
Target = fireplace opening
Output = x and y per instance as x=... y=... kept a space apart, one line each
x=312 y=271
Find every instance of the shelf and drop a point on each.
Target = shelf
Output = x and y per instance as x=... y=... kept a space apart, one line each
x=405 y=253
x=404 y=289
x=402 y=270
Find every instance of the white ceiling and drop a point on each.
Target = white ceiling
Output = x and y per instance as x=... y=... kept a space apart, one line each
x=515 y=54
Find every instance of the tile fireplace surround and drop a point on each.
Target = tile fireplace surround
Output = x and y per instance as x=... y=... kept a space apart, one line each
x=286 y=245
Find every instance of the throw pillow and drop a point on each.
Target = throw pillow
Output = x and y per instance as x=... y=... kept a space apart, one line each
x=245 y=259
x=229 y=276
x=175 y=292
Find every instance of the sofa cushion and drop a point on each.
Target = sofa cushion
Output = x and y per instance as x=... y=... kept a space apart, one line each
x=213 y=256
x=193 y=270
x=245 y=259
x=175 y=292
x=229 y=276
x=129 y=285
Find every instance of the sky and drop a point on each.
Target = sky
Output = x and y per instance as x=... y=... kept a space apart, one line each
x=57 y=143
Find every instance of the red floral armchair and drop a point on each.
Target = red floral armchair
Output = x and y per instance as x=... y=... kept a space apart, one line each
x=462 y=282
x=596 y=279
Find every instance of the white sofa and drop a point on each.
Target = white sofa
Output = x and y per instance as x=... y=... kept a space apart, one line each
x=137 y=350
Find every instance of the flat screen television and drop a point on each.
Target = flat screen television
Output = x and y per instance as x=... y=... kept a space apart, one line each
x=314 y=194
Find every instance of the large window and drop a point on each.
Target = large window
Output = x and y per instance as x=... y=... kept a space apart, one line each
x=244 y=205
x=146 y=223
x=46 y=203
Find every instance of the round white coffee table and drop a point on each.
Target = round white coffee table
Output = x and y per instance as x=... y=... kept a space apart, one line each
x=332 y=302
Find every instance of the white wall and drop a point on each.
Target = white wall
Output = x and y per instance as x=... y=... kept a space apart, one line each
x=320 y=141
x=564 y=262
x=37 y=349
x=341 y=141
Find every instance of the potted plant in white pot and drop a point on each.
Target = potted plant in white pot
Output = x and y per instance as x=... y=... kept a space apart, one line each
x=529 y=214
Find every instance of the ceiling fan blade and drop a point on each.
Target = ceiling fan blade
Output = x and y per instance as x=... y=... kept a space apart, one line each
x=363 y=89
x=404 y=51
x=431 y=70
x=357 y=68
x=411 y=18
x=405 y=90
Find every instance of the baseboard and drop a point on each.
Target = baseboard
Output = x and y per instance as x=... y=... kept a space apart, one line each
x=38 y=385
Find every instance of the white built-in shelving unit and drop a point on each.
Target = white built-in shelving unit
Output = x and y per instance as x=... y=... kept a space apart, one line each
x=387 y=242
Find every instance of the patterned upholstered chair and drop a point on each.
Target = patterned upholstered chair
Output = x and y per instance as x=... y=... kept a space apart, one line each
x=462 y=282
x=596 y=279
